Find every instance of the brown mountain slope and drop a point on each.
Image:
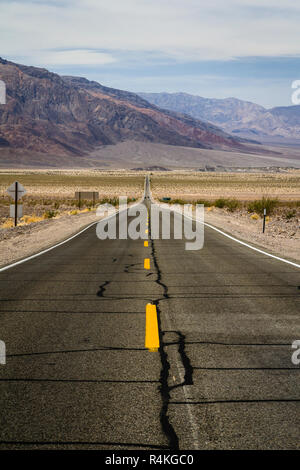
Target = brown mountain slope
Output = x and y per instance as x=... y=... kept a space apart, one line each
x=46 y=113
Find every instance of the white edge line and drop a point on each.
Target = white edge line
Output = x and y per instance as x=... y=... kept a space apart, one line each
x=240 y=241
x=47 y=249
x=252 y=247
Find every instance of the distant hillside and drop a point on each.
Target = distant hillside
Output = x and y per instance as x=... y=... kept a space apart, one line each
x=50 y=114
x=235 y=116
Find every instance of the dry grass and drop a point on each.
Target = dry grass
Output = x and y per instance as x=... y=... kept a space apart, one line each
x=241 y=186
x=51 y=193
x=63 y=184
x=242 y=195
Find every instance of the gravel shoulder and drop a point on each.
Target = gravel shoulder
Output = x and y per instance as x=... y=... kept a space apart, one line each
x=19 y=242
x=281 y=237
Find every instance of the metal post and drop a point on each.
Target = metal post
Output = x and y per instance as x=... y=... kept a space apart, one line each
x=16 y=203
x=79 y=199
x=94 y=196
x=264 y=222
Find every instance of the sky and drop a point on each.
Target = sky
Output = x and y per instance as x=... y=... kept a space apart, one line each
x=248 y=49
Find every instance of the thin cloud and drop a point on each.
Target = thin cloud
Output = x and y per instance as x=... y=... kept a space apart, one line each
x=161 y=44
x=190 y=30
x=74 y=57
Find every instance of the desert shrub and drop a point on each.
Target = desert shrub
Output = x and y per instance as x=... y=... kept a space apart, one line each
x=31 y=202
x=56 y=205
x=29 y=219
x=255 y=216
x=204 y=202
x=220 y=203
x=114 y=201
x=290 y=214
x=49 y=214
x=47 y=202
x=176 y=201
x=73 y=212
x=260 y=204
x=232 y=204
x=8 y=223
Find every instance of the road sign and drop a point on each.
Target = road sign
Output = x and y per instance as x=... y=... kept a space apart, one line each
x=12 y=210
x=80 y=195
x=16 y=190
x=87 y=194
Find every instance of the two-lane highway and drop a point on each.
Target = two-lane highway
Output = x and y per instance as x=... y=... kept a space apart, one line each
x=78 y=374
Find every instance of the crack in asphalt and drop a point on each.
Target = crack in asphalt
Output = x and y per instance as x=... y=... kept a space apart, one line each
x=188 y=368
x=102 y=288
x=127 y=266
x=165 y=388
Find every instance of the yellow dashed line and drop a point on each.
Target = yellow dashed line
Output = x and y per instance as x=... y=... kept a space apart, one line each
x=147 y=263
x=146 y=243
x=146 y=231
x=151 y=335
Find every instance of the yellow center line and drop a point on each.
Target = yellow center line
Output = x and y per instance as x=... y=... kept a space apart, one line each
x=151 y=334
x=146 y=231
x=145 y=243
x=147 y=263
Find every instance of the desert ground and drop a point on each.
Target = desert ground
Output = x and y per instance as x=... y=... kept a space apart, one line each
x=131 y=154
x=51 y=212
x=191 y=186
x=51 y=193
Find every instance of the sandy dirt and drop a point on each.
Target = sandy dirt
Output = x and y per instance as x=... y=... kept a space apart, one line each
x=20 y=242
x=130 y=154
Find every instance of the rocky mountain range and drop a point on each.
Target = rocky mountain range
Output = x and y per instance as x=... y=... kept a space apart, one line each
x=61 y=115
x=235 y=116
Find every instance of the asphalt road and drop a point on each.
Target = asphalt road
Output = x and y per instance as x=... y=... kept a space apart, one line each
x=78 y=376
